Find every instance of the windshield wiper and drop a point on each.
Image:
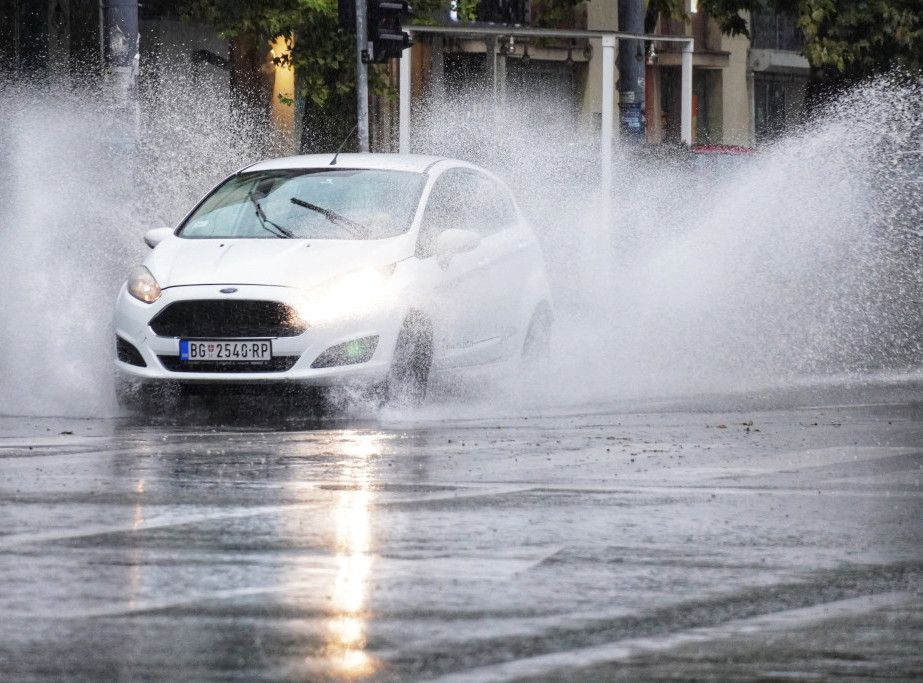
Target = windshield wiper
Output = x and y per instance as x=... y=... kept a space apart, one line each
x=355 y=228
x=265 y=222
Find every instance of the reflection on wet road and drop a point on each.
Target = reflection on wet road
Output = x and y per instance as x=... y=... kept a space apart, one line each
x=346 y=628
x=733 y=537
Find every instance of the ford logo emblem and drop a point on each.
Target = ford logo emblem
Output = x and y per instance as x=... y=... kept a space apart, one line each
x=228 y=290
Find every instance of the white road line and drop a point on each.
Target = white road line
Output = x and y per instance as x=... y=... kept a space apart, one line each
x=620 y=651
x=318 y=572
x=168 y=520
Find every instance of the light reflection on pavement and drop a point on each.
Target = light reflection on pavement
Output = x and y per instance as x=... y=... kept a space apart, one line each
x=345 y=643
x=723 y=537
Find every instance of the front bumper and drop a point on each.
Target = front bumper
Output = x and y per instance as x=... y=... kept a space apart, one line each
x=293 y=356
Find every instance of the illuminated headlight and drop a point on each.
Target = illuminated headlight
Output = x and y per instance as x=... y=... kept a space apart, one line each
x=349 y=296
x=143 y=286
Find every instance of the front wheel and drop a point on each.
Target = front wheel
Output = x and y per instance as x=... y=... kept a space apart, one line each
x=536 y=350
x=140 y=397
x=127 y=394
x=413 y=356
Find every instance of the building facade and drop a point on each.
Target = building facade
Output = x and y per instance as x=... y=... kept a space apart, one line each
x=745 y=91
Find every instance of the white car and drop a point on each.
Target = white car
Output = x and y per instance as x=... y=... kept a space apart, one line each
x=357 y=269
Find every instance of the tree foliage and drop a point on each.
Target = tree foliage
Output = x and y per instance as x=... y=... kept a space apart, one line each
x=322 y=53
x=843 y=38
x=857 y=38
x=726 y=13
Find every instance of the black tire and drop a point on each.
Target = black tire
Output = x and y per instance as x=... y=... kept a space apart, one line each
x=536 y=349
x=127 y=395
x=153 y=399
x=413 y=356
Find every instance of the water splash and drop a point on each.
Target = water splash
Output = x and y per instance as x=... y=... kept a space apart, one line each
x=74 y=208
x=803 y=260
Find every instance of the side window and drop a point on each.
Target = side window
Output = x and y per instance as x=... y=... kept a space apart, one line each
x=492 y=207
x=446 y=208
x=466 y=200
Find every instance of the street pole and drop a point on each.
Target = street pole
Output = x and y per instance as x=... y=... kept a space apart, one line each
x=608 y=106
x=686 y=94
x=119 y=47
x=598 y=272
x=631 y=72
x=404 y=112
x=362 y=75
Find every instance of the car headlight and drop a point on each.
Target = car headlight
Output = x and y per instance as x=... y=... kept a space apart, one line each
x=351 y=295
x=143 y=286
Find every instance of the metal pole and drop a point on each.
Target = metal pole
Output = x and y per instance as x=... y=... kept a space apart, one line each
x=608 y=110
x=404 y=111
x=362 y=75
x=631 y=72
x=120 y=33
x=751 y=97
x=490 y=45
x=686 y=95
x=120 y=53
x=501 y=79
x=598 y=243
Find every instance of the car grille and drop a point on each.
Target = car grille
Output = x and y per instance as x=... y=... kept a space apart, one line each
x=277 y=364
x=207 y=319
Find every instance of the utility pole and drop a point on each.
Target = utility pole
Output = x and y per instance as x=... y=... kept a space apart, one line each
x=119 y=53
x=631 y=64
x=362 y=74
x=379 y=38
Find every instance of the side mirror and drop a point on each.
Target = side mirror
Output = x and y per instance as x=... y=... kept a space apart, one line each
x=453 y=242
x=154 y=237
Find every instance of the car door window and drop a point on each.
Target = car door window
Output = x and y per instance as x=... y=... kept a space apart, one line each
x=492 y=209
x=464 y=200
x=447 y=207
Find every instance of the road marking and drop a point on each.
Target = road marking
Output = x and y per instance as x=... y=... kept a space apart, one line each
x=169 y=519
x=317 y=573
x=620 y=651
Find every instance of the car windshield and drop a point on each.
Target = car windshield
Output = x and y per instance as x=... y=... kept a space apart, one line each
x=309 y=204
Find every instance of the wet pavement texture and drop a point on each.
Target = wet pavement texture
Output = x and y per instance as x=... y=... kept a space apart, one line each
x=751 y=537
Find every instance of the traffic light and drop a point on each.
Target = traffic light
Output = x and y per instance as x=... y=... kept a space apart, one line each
x=386 y=35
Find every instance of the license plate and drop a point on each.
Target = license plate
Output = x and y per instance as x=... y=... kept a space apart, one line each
x=225 y=350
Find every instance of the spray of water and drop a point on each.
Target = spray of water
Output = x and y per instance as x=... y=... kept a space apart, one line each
x=78 y=195
x=803 y=260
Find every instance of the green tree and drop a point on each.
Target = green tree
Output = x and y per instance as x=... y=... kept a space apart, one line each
x=852 y=39
x=726 y=13
x=322 y=54
x=844 y=39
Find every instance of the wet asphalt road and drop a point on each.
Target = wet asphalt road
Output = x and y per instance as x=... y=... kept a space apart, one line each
x=762 y=537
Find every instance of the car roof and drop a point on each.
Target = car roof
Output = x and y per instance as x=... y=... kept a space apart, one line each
x=393 y=162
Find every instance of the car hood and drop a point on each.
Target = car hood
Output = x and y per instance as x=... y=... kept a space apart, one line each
x=178 y=262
